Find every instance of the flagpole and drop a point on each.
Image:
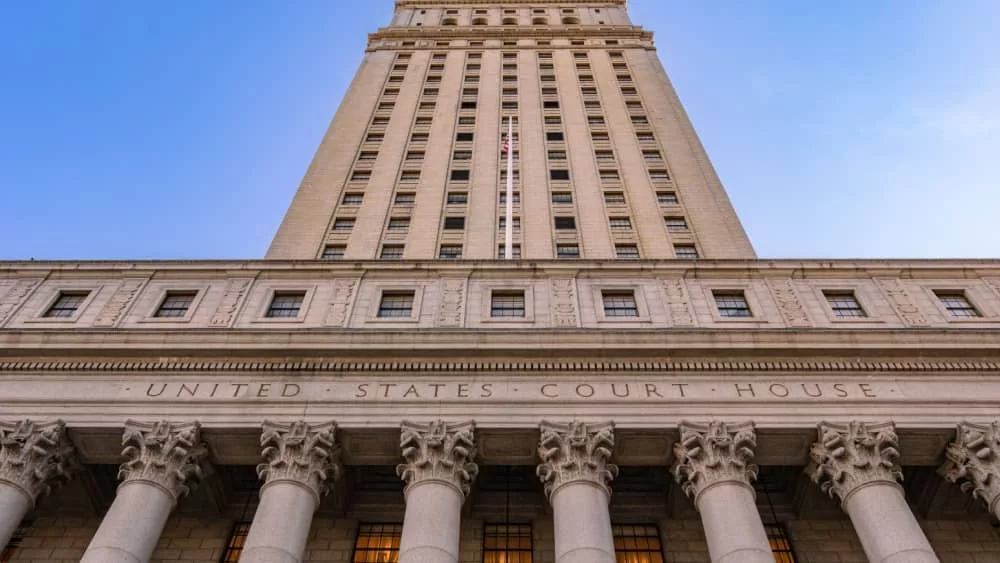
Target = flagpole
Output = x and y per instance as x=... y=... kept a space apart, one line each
x=508 y=252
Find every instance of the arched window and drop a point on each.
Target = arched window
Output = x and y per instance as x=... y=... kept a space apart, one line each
x=450 y=21
x=479 y=21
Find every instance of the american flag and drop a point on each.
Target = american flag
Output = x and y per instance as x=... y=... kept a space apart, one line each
x=506 y=144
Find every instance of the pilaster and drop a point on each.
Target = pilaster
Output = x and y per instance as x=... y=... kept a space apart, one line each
x=576 y=452
x=438 y=451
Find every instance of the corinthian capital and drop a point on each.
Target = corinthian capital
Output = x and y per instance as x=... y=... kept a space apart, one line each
x=35 y=456
x=713 y=453
x=973 y=460
x=305 y=454
x=847 y=457
x=576 y=452
x=438 y=451
x=164 y=454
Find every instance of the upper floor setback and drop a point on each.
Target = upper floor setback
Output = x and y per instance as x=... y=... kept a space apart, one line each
x=499 y=296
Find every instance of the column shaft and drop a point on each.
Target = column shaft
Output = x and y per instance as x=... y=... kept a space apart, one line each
x=733 y=528
x=582 y=524
x=281 y=525
x=886 y=527
x=432 y=523
x=132 y=527
x=14 y=504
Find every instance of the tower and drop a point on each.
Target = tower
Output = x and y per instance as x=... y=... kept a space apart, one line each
x=606 y=163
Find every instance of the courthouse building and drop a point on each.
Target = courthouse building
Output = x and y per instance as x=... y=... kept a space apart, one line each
x=624 y=381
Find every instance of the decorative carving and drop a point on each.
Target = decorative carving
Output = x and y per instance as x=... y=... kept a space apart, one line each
x=563 y=302
x=901 y=301
x=789 y=303
x=973 y=460
x=678 y=302
x=35 y=456
x=163 y=453
x=576 y=452
x=306 y=454
x=847 y=457
x=231 y=300
x=452 y=309
x=16 y=295
x=708 y=454
x=438 y=451
x=119 y=302
x=343 y=293
x=994 y=283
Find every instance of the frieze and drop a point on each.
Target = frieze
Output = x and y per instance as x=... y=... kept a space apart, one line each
x=231 y=301
x=119 y=302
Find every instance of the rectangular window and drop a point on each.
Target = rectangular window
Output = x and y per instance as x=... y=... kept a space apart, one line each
x=508 y=105
x=459 y=175
x=418 y=138
x=359 y=176
x=685 y=251
x=66 y=304
x=781 y=546
x=562 y=197
x=377 y=543
x=409 y=176
x=426 y=106
x=957 y=304
x=516 y=198
x=515 y=223
x=627 y=251
x=333 y=252
x=652 y=155
x=605 y=156
x=550 y=104
x=285 y=304
x=557 y=155
x=176 y=304
x=415 y=156
x=399 y=224
x=675 y=223
x=659 y=175
x=565 y=223
x=343 y=224
x=368 y=155
x=352 y=198
x=391 y=252
x=645 y=137
x=595 y=120
x=614 y=198
x=466 y=120
x=559 y=174
x=454 y=223
x=396 y=304
x=450 y=252
x=234 y=547
x=405 y=198
x=468 y=105
x=619 y=304
x=732 y=304
x=567 y=251
x=463 y=137
x=423 y=121
x=666 y=198
x=507 y=304
x=599 y=137
x=458 y=198
x=844 y=304
x=620 y=224
x=637 y=543
x=610 y=176
x=515 y=251
x=554 y=136
x=507 y=543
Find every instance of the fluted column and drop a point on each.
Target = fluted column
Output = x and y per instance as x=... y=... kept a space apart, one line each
x=973 y=460
x=577 y=475
x=162 y=464
x=713 y=466
x=34 y=456
x=301 y=461
x=856 y=463
x=438 y=473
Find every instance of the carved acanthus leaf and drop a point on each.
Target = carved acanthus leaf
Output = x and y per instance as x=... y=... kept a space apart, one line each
x=576 y=452
x=164 y=453
x=438 y=451
x=714 y=453
x=973 y=460
x=306 y=454
x=35 y=456
x=848 y=456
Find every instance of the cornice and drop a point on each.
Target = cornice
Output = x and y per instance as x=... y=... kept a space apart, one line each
x=573 y=3
x=508 y=32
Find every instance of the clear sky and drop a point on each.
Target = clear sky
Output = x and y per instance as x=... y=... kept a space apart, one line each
x=181 y=128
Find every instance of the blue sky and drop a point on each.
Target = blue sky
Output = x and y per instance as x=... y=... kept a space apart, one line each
x=180 y=129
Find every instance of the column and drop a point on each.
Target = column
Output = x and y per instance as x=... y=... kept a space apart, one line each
x=713 y=466
x=34 y=456
x=162 y=463
x=856 y=463
x=973 y=460
x=301 y=462
x=438 y=473
x=577 y=479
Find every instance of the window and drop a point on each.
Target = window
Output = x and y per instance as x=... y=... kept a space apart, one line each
x=66 y=304
x=562 y=197
x=659 y=175
x=614 y=198
x=620 y=224
x=507 y=543
x=731 y=304
x=675 y=223
x=450 y=252
x=343 y=224
x=781 y=546
x=844 y=304
x=391 y=252
x=377 y=543
x=466 y=120
x=666 y=198
x=645 y=137
x=423 y=121
x=463 y=137
x=567 y=251
x=508 y=105
x=595 y=120
x=459 y=175
x=469 y=105
x=599 y=137
x=454 y=223
x=565 y=223
x=637 y=543
x=415 y=155
x=352 y=198
x=285 y=304
x=426 y=106
x=409 y=176
x=399 y=224
x=651 y=155
x=619 y=304
x=559 y=174
x=458 y=198
x=554 y=136
x=507 y=304
x=234 y=547
x=550 y=104
x=359 y=176
x=516 y=199
x=957 y=304
x=685 y=251
x=627 y=251
x=368 y=155
x=176 y=304
x=418 y=138
x=605 y=156
x=515 y=223
x=333 y=252
x=515 y=251
x=396 y=304
x=610 y=176
x=553 y=120
x=405 y=198
x=557 y=155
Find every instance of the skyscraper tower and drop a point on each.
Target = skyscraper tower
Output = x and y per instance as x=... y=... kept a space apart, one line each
x=606 y=163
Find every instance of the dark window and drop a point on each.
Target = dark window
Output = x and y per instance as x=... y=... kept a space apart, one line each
x=562 y=197
x=460 y=175
x=458 y=198
x=405 y=198
x=396 y=304
x=66 y=304
x=352 y=198
x=368 y=155
x=620 y=223
x=343 y=224
x=377 y=543
x=361 y=176
x=391 y=252
x=335 y=252
x=550 y=104
x=666 y=198
x=507 y=543
x=554 y=136
x=957 y=304
x=463 y=137
x=732 y=304
x=685 y=251
x=565 y=223
x=675 y=223
x=176 y=303
x=637 y=544
x=559 y=174
x=507 y=304
x=844 y=304
x=234 y=547
x=614 y=198
x=450 y=252
x=468 y=105
x=627 y=251
x=399 y=224
x=619 y=304
x=454 y=223
x=285 y=304
x=567 y=251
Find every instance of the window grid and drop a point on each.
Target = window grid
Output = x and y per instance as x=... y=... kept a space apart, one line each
x=377 y=543
x=686 y=252
x=450 y=252
x=567 y=251
x=391 y=252
x=844 y=304
x=619 y=304
x=234 y=548
x=637 y=544
x=957 y=304
x=285 y=304
x=396 y=304
x=66 y=305
x=627 y=252
x=507 y=543
x=515 y=251
x=333 y=252
x=781 y=545
x=507 y=304
x=176 y=304
x=732 y=304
